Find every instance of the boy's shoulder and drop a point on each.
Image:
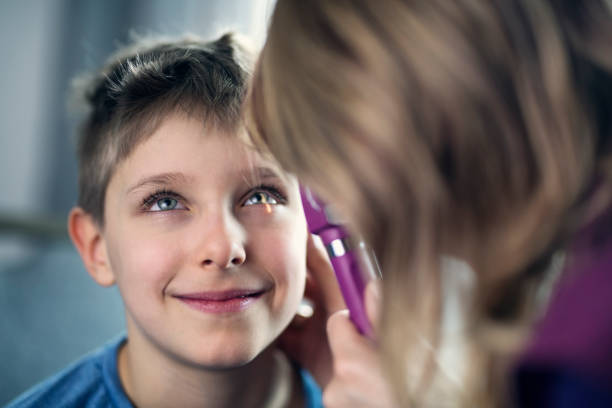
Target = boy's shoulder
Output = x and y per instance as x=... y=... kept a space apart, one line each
x=92 y=381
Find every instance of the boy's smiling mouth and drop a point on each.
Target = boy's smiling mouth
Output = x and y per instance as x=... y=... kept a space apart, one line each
x=227 y=301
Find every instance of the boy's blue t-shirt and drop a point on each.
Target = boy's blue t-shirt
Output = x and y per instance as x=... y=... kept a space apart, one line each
x=93 y=382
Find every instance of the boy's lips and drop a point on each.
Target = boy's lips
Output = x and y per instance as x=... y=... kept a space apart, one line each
x=227 y=301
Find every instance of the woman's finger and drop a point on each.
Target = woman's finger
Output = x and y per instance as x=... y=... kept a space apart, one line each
x=344 y=339
x=358 y=379
x=322 y=274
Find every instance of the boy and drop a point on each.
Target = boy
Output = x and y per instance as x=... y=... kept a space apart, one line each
x=205 y=239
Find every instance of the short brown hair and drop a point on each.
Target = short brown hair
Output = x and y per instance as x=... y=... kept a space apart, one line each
x=139 y=86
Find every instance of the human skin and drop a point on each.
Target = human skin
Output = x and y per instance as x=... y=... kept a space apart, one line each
x=207 y=244
x=345 y=363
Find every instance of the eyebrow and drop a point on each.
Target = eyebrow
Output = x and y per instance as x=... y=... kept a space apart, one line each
x=162 y=179
x=255 y=175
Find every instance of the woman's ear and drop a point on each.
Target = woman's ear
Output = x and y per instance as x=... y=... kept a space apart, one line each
x=89 y=241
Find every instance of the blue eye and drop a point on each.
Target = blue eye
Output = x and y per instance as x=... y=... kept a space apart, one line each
x=165 y=204
x=163 y=201
x=261 y=197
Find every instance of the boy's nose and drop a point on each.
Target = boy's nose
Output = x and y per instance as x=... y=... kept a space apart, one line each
x=223 y=245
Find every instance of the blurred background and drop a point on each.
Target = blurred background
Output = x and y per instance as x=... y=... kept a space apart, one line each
x=51 y=310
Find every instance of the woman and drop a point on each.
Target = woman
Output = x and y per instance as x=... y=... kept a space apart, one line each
x=471 y=133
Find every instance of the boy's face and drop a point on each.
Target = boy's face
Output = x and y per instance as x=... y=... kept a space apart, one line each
x=209 y=260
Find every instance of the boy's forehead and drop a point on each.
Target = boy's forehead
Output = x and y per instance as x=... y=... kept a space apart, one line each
x=171 y=127
x=163 y=161
x=254 y=163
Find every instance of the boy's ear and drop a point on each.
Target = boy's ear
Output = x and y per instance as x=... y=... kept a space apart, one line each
x=88 y=240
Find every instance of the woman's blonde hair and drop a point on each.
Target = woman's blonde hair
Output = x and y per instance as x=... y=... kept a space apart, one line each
x=476 y=129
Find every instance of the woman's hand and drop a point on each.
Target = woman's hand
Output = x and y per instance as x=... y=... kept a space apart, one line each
x=305 y=340
x=343 y=362
x=358 y=379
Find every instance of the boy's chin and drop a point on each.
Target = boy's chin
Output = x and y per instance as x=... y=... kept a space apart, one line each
x=227 y=359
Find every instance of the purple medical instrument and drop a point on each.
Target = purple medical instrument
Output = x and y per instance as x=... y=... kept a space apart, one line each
x=351 y=261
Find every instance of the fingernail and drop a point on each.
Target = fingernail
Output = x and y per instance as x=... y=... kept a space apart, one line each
x=317 y=240
x=374 y=289
x=373 y=299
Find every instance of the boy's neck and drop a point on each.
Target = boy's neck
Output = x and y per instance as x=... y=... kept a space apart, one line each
x=268 y=381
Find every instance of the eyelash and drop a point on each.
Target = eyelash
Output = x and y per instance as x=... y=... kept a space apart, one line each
x=150 y=200
x=270 y=189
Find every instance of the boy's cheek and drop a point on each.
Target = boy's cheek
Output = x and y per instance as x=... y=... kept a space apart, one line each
x=284 y=257
x=146 y=261
x=285 y=263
